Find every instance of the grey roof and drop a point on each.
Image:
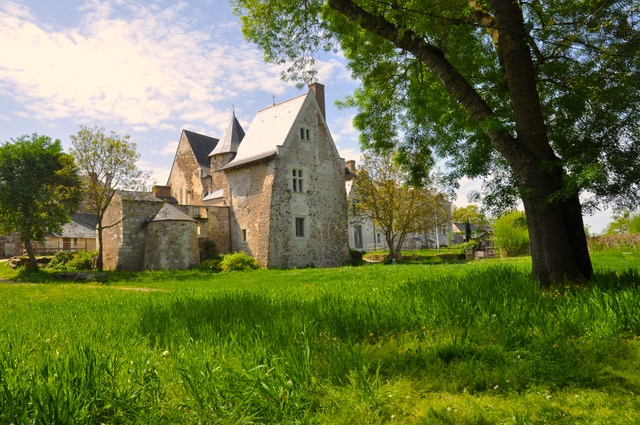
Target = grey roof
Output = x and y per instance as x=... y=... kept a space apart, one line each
x=201 y=145
x=82 y=226
x=230 y=139
x=170 y=213
x=269 y=129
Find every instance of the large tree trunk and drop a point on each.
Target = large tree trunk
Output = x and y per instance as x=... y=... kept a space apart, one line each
x=556 y=230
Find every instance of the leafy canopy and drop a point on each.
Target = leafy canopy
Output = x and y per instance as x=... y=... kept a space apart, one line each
x=381 y=194
x=39 y=188
x=586 y=58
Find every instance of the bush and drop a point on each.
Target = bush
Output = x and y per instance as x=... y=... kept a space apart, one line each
x=68 y=261
x=238 y=261
x=356 y=257
x=208 y=250
x=212 y=265
x=60 y=260
x=82 y=260
x=511 y=235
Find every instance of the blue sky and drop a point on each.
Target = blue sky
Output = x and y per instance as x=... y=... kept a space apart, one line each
x=148 y=69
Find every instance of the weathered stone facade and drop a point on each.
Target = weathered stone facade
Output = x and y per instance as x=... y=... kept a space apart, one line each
x=277 y=193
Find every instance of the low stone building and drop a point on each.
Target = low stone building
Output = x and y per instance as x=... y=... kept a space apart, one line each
x=276 y=192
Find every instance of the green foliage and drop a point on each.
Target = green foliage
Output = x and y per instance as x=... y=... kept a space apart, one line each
x=510 y=234
x=577 y=53
x=39 y=188
x=624 y=222
x=356 y=257
x=72 y=261
x=208 y=250
x=60 y=260
x=238 y=261
x=211 y=265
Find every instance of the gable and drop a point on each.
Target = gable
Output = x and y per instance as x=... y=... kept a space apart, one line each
x=269 y=129
x=201 y=146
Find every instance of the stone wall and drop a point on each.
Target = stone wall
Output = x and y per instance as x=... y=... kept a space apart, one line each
x=322 y=203
x=212 y=223
x=125 y=242
x=186 y=180
x=171 y=245
x=250 y=201
x=10 y=245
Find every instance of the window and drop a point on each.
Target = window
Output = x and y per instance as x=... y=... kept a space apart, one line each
x=305 y=133
x=297 y=180
x=244 y=235
x=357 y=236
x=299 y=227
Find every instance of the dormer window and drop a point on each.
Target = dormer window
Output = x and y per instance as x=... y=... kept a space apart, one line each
x=305 y=134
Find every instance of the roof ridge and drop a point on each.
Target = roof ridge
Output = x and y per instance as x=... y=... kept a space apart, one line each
x=283 y=102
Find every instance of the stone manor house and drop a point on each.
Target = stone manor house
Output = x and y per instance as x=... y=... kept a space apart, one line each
x=276 y=192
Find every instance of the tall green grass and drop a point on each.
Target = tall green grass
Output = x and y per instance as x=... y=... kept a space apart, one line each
x=474 y=343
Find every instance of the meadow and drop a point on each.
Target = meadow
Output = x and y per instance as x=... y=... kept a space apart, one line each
x=467 y=343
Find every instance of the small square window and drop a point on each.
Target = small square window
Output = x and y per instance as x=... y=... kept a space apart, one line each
x=299 y=227
x=305 y=133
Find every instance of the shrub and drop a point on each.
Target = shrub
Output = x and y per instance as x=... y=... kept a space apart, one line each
x=238 y=261
x=511 y=235
x=60 y=260
x=356 y=257
x=208 y=250
x=67 y=260
x=211 y=265
x=82 y=260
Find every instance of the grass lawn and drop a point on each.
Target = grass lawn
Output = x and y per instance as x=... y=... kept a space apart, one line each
x=466 y=343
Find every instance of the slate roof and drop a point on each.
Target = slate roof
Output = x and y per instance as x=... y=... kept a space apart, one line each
x=170 y=213
x=201 y=146
x=230 y=139
x=268 y=130
x=82 y=226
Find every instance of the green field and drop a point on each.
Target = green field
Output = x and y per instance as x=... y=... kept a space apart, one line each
x=433 y=343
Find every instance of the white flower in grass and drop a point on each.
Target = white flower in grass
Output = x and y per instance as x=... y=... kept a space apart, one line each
x=165 y=353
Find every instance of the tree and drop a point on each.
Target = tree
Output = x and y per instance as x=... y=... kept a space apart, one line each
x=469 y=214
x=624 y=222
x=39 y=189
x=108 y=164
x=380 y=194
x=540 y=98
x=510 y=234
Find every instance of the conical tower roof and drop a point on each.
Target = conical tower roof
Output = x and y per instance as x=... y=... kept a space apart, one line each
x=230 y=139
x=170 y=213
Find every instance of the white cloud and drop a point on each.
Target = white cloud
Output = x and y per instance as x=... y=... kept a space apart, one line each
x=141 y=69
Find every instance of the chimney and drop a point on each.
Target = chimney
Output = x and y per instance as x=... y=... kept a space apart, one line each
x=350 y=166
x=161 y=192
x=318 y=90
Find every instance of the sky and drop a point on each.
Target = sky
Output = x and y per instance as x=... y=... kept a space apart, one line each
x=149 y=69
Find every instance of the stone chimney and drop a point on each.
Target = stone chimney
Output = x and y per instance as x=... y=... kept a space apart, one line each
x=318 y=90
x=350 y=166
x=161 y=192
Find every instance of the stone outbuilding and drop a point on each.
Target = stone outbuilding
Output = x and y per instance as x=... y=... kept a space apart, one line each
x=172 y=240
